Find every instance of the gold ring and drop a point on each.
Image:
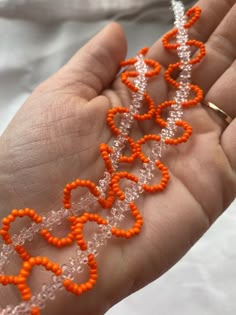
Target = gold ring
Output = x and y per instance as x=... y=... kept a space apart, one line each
x=219 y=111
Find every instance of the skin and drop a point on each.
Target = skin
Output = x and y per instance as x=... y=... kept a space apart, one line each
x=54 y=139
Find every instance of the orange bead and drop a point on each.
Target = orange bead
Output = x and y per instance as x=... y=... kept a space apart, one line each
x=35 y=311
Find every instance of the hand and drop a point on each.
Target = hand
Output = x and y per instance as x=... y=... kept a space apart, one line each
x=55 y=137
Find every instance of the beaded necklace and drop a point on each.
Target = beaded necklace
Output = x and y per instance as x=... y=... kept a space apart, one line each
x=108 y=194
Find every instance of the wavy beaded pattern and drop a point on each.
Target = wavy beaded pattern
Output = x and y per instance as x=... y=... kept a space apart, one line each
x=108 y=194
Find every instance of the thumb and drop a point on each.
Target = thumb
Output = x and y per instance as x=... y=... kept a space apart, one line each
x=95 y=65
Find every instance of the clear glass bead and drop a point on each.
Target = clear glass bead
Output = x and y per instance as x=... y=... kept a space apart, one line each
x=8 y=310
x=67 y=273
x=79 y=269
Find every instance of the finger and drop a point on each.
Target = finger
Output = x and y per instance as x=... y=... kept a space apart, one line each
x=223 y=92
x=228 y=142
x=221 y=53
x=95 y=65
x=213 y=12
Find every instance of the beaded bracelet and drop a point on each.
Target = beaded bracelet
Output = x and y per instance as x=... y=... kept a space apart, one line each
x=108 y=194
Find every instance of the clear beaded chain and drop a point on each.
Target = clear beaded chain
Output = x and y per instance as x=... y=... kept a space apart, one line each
x=108 y=194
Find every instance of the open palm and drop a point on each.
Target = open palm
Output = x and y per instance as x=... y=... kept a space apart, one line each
x=55 y=139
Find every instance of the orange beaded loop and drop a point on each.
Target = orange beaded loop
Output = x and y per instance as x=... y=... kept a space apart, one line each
x=187 y=133
x=167 y=75
x=134 y=154
x=115 y=183
x=6 y=222
x=77 y=227
x=145 y=139
x=110 y=118
x=135 y=230
x=75 y=184
x=151 y=109
x=169 y=35
x=156 y=68
x=164 y=181
x=79 y=289
x=24 y=273
x=202 y=52
x=195 y=12
x=129 y=74
x=198 y=98
x=159 y=110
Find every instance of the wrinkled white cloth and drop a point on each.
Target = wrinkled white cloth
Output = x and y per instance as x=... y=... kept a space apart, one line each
x=204 y=281
x=86 y=10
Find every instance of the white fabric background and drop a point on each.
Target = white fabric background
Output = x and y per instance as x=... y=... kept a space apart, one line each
x=82 y=9
x=204 y=281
